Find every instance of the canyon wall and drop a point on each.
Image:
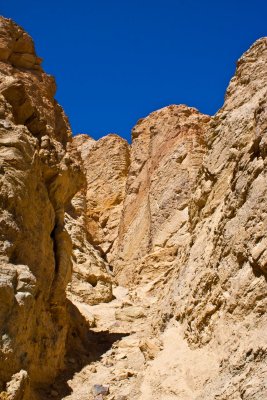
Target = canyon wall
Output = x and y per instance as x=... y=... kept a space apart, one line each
x=218 y=291
x=93 y=215
x=38 y=177
x=166 y=154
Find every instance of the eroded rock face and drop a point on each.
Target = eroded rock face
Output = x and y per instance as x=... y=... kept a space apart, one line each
x=38 y=177
x=106 y=167
x=95 y=213
x=137 y=196
x=166 y=154
x=91 y=280
x=219 y=286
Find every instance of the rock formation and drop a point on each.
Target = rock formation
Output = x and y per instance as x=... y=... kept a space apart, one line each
x=166 y=154
x=219 y=286
x=178 y=217
x=91 y=280
x=38 y=179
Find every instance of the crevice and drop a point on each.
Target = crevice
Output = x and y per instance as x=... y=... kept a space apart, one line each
x=257 y=271
x=55 y=248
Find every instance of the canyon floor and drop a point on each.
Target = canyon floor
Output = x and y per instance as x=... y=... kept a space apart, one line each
x=119 y=353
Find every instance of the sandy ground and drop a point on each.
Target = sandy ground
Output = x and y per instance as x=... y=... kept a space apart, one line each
x=119 y=353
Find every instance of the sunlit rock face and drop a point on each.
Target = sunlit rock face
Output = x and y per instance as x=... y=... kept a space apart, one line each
x=166 y=155
x=38 y=177
x=137 y=197
x=217 y=291
x=92 y=280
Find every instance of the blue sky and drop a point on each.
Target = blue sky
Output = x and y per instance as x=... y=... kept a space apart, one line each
x=117 y=61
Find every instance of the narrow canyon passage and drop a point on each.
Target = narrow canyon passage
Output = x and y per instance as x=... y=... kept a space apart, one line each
x=132 y=271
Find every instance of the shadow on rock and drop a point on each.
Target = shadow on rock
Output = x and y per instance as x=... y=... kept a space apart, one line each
x=84 y=346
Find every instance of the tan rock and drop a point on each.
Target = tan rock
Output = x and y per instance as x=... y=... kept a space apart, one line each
x=150 y=348
x=130 y=313
x=38 y=179
x=166 y=154
x=106 y=163
x=91 y=280
x=94 y=215
x=219 y=288
x=124 y=374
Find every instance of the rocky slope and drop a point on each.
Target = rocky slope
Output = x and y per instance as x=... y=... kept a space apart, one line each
x=177 y=217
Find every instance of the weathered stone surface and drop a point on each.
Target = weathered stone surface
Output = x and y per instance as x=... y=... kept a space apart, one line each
x=219 y=286
x=106 y=164
x=91 y=279
x=38 y=178
x=166 y=154
x=94 y=215
x=16 y=46
x=129 y=313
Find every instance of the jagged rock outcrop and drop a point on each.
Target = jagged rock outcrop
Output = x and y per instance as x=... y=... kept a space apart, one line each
x=38 y=177
x=106 y=164
x=137 y=196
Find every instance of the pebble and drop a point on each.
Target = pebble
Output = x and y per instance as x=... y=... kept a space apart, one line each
x=6 y=124
x=124 y=374
x=100 y=390
x=108 y=363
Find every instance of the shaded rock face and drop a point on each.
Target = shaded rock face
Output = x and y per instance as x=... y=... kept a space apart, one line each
x=38 y=177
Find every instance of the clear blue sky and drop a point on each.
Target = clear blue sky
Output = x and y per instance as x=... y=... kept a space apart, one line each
x=116 y=61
